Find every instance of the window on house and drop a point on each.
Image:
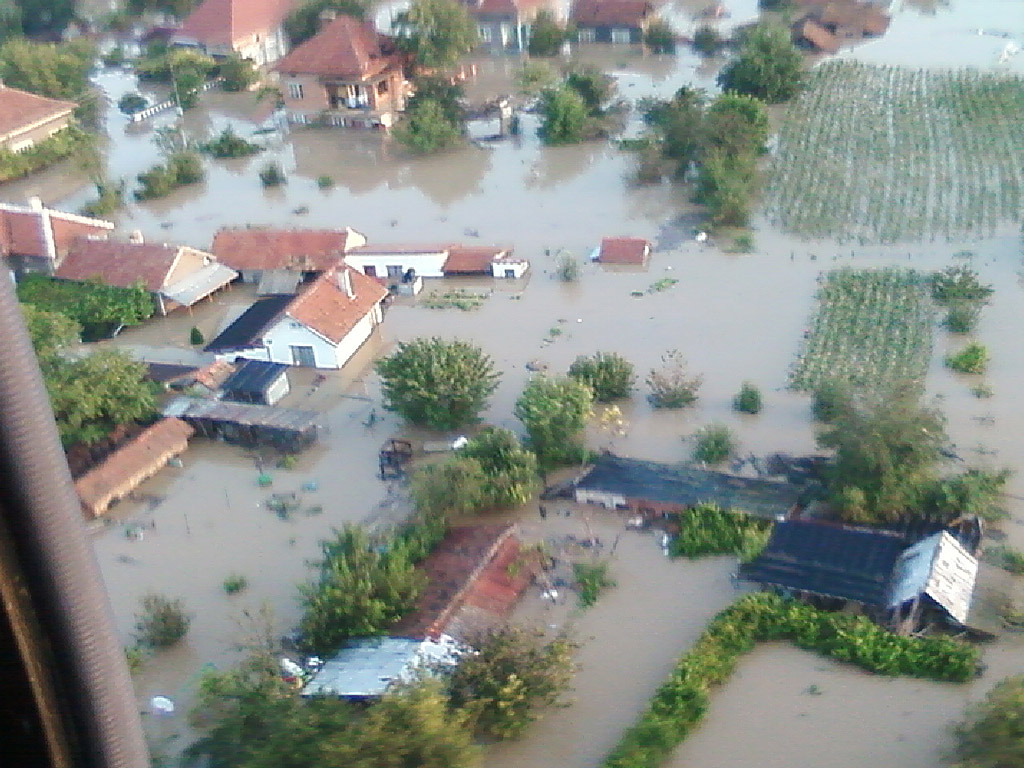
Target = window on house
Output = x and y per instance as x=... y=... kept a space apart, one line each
x=370 y=270
x=295 y=90
x=304 y=356
x=620 y=35
x=485 y=33
x=395 y=270
x=586 y=35
x=382 y=87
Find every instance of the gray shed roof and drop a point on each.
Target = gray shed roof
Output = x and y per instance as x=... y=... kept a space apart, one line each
x=244 y=414
x=200 y=284
x=253 y=377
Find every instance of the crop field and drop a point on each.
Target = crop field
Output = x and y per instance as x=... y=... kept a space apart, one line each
x=873 y=328
x=883 y=154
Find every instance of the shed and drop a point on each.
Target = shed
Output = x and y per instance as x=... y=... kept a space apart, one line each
x=256 y=381
x=624 y=251
x=288 y=429
x=940 y=568
x=127 y=467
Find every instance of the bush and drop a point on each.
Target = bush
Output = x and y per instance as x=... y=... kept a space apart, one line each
x=109 y=200
x=959 y=284
x=229 y=144
x=830 y=400
x=555 y=413
x=182 y=168
x=161 y=622
x=591 y=580
x=547 y=35
x=714 y=445
x=609 y=375
x=510 y=470
x=63 y=144
x=660 y=37
x=271 y=175
x=428 y=127
x=670 y=385
x=131 y=103
x=563 y=116
x=1007 y=558
x=195 y=337
x=707 y=41
x=567 y=267
x=992 y=733
x=237 y=74
x=748 y=400
x=681 y=701
x=707 y=529
x=324 y=182
x=767 y=66
x=971 y=359
x=962 y=317
x=235 y=583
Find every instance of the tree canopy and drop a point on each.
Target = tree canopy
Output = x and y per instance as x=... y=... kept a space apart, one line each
x=98 y=308
x=58 y=71
x=510 y=471
x=304 y=21
x=426 y=128
x=546 y=35
x=45 y=18
x=563 y=115
x=992 y=733
x=437 y=32
x=437 y=383
x=555 y=413
x=767 y=66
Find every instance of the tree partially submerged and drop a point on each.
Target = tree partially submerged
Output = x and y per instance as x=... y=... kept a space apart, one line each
x=671 y=384
x=437 y=383
x=767 y=66
x=436 y=32
x=510 y=470
x=608 y=374
x=546 y=35
x=992 y=733
x=555 y=413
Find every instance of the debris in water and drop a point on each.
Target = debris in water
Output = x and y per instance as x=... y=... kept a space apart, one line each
x=162 y=705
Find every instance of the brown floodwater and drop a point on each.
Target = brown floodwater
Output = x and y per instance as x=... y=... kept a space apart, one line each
x=734 y=317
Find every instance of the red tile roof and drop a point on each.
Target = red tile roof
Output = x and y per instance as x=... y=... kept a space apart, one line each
x=223 y=22
x=21 y=109
x=346 y=48
x=624 y=250
x=611 y=13
x=120 y=264
x=310 y=250
x=401 y=248
x=815 y=34
x=22 y=230
x=327 y=309
x=465 y=260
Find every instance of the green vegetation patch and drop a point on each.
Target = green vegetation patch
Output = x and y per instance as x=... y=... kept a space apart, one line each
x=707 y=529
x=63 y=144
x=882 y=154
x=458 y=298
x=872 y=329
x=681 y=701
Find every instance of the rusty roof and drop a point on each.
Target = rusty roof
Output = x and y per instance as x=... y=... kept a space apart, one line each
x=311 y=250
x=471 y=260
x=133 y=462
x=225 y=22
x=345 y=48
x=624 y=250
x=327 y=309
x=611 y=13
x=20 y=109
x=817 y=35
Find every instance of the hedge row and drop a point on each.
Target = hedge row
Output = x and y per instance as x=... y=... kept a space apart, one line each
x=681 y=701
x=64 y=143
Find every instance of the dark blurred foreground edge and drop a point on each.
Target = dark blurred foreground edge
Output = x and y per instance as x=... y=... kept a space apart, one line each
x=66 y=698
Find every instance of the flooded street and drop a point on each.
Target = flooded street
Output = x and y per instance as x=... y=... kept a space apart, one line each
x=734 y=317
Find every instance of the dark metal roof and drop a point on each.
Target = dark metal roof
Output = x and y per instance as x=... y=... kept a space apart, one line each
x=686 y=485
x=831 y=560
x=162 y=373
x=253 y=378
x=246 y=330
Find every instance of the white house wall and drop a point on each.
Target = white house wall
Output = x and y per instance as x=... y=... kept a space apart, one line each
x=425 y=264
x=518 y=268
x=607 y=500
x=287 y=333
x=277 y=390
x=357 y=336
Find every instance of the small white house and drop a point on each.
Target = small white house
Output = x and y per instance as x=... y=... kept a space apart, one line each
x=322 y=327
x=398 y=264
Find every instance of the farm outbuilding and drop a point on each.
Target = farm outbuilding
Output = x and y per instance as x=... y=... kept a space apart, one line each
x=127 y=467
x=288 y=429
x=259 y=382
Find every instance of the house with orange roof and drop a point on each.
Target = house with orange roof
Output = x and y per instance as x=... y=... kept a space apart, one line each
x=252 y=29
x=624 y=251
x=253 y=251
x=176 y=275
x=26 y=119
x=346 y=75
x=321 y=327
x=611 y=21
x=35 y=238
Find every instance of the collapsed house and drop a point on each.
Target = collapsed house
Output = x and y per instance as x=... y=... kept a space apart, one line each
x=902 y=584
x=289 y=430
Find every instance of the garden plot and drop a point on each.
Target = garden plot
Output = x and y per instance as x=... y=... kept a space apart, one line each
x=873 y=328
x=881 y=154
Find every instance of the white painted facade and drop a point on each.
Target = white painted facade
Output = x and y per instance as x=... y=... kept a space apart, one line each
x=603 y=498
x=277 y=390
x=509 y=268
x=392 y=266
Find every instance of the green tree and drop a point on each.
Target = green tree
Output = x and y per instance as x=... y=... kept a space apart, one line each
x=767 y=66
x=555 y=413
x=442 y=90
x=736 y=125
x=46 y=18
x=509 y=469
x=748 y=399
x=57 y=71
x=608 y=374
x=546 y=35
x=237 y=73
x=458 y=485
x=725 y=184
x=660 y=37
x=563 y=116
x=512 y=675
x=679 y=125
x=715 y=443
x=437 y=32
x=161 y=622
x=131 y=103
x=177 y=8
x=595 y=87
x=426 y=129
x=304 y=21
x=98 y=308
x=363 y=587
x=10 y=19
x=707 y=41
x=534 y=77
x=437 y=383
x=992 y=732
x=50 y=332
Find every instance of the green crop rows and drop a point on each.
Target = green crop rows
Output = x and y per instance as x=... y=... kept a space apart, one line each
x=882 y=154
x=873 y=328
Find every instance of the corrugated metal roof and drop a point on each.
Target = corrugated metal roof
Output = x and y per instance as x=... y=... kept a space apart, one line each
x=254 y=377
x=199 y=284
x=243 y=414
x=940 y=567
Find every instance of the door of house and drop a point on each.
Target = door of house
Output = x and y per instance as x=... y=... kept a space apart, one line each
x=370 y=271
x=303 y=356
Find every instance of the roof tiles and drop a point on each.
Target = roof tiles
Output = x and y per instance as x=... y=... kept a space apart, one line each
x=21 y=109
x=310 y=250
x=225 y=22
x=346 y=48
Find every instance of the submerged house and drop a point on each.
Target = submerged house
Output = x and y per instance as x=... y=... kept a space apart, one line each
x=176 y=275
x=321 y=327
x=624 y=251
x=900 y=584
x=395 y=262
x=26 y=118
x=254 y=251
x=347 y=75
x=35 y=238
x=252 y=29
x=289 y=430
x=256 y=381
x=611 y=21
x=505 y=25
x=651 y=488
x=826 y=24
x=127 y=467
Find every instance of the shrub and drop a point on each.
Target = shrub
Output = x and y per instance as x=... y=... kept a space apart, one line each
x=547 y=35
x=131 y=103
x=237 y=74
x=958 y=284
x=324 y=182
x=235 y=583
x=971 y=359
x=715 y=444
x=1007 y=558
x=567 y=267
x=962 y=316
x=608 y=374
x=271 y=175
x=748 y=400
x=992 y=733
x=555 y=413
x=195 y=337
x=707 y=529
x=670 y=385
x=181 y=168
x=744 y=243
x=229 y=144
x=660 y=37
x=109 y=199
x=830 y=399
x=591 y=580
x=161 y=622
x=707 y=41
x=63 y=144
x=428 y=127
x=510 y=470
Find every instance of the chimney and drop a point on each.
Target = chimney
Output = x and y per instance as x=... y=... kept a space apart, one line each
x=35 y=203
x=345 y=282
x=136 y=238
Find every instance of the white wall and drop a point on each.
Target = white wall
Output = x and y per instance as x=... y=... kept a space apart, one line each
x=287 y=333
x=426 y=264
x=607 y=500
x=277 y=390
x=518 y=267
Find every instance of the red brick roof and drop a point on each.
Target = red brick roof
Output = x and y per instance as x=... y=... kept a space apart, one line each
x=310 y=250
x=223 y=22
x=21 y=109
x=815 y=34
x=611 y=13
x=346 y=48
x=120 y=264
x=624 y=250
x=467 y=260
x=22 y=230
x=327 y=309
